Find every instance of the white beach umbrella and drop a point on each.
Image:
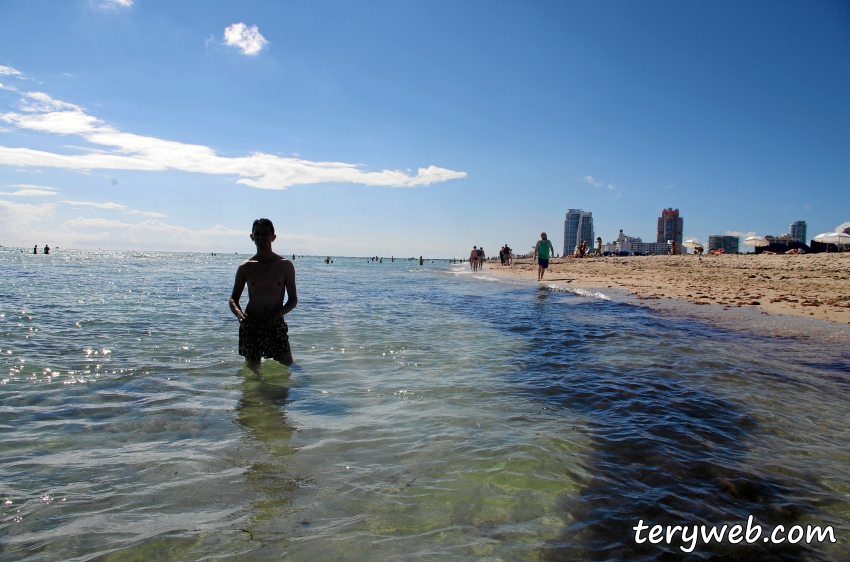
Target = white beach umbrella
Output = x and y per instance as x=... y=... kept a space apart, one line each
x=756 y=241
x=832 y=238
x=691 y=243
x=836 y=238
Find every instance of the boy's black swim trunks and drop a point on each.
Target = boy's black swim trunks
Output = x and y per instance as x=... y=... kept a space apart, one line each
x=260 y=339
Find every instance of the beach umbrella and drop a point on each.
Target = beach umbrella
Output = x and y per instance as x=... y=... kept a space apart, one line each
x=836 y=238
x=831 y=237
x=692 y=243
x=756 y=241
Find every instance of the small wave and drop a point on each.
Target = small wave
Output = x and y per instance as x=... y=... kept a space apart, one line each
x=578 y=291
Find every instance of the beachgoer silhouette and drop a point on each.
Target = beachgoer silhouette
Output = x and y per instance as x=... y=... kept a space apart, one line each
x=269 y=277
x=35 y=249
x=46 y=249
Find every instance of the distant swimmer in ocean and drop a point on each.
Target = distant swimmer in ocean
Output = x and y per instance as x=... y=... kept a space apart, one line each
x=46 y=249
x=421 y=261
x=262 y=329
x=35 y=249
x=543 y=249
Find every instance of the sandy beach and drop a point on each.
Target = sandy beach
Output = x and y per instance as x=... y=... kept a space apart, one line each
x=814 y=285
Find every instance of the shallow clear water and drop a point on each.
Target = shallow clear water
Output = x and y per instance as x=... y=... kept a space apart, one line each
x=431 y=414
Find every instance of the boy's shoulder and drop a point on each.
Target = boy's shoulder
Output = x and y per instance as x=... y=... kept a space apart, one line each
x=253 y=263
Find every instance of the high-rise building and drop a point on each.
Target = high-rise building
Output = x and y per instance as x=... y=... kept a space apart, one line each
x=798 y=231
x=729 y=244
x=578 y=226
x=670 y=228
x=634 y=245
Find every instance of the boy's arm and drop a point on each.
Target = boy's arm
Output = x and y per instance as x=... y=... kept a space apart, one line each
x=291 y=291
x=238 y=286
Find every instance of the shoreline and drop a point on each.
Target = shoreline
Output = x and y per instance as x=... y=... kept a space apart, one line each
x=809 y=286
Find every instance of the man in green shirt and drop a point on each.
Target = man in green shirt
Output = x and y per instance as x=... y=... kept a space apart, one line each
x=543 y=250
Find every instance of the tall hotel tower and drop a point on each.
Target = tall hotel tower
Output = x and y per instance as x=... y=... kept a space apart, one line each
x=578 y=226
x=798 y=231
x=670 y=227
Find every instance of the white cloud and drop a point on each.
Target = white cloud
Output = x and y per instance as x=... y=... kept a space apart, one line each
x=842 y=226
x=16 y=217
x=8 y=70
x=110 y=3
x=591 y=181
x=39 y=101
x=150 y=233
x=27 y=190
x=108 y=205
x=145 y=213
x=136 y=152
x=246 y=39
x=113 y=207
x=8 y=87
x=610 y=186
x=740 y=234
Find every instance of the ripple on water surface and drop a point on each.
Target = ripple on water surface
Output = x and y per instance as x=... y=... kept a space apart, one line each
x=429 y=415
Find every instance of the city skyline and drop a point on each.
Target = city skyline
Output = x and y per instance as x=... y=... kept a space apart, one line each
x=416 y=129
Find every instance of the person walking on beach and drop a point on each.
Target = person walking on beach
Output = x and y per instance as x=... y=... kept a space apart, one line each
x=481 y=257
x=473 y=258
x=543 y=249
x=262 y=329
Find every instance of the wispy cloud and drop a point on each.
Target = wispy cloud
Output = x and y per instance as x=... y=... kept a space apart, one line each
x=8 y=70
x=41 y=102
x=740 y=234
x=27 y=190
x=149 y=232
x=15 y=217
x=135 y=152
x=113 y=207
x=248 y=40
x=591 y=181
x=110 y=3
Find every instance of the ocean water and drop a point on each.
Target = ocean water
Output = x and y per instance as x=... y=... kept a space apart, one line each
x=432 y=414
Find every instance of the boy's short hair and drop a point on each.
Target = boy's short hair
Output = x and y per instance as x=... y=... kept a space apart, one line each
x=265 y=222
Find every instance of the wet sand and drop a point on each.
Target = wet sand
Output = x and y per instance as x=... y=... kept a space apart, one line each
x=814 y=285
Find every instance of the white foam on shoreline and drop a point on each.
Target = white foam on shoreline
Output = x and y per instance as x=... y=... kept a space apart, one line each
x=578 y=291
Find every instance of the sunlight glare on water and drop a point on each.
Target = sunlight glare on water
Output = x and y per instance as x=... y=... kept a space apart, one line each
x=429 y=415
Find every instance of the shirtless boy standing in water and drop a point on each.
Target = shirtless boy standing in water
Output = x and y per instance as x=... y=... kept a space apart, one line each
x=262 y=331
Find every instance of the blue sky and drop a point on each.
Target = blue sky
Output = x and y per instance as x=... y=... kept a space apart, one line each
x=402 y=128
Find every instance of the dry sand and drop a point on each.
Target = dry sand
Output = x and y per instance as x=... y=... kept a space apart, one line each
x=813 y=285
